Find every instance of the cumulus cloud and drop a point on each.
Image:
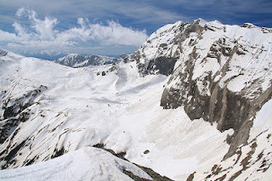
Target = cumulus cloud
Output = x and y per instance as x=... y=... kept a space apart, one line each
x=35 y=34
x=114 y=33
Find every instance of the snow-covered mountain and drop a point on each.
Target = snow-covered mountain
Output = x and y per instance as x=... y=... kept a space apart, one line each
x=220 y=73
x=193 y=102
x=76 y=60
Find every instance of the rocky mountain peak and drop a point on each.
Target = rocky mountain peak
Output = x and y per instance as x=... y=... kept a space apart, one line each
x=221 y=73
x=3 y=53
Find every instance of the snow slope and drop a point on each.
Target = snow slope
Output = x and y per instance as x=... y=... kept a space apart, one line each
x=84 y=164
x=251 y=161
x=79 y=108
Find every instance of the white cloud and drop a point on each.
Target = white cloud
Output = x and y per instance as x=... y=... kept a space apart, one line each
x=114 y=33
x=42 y=34
x=20 y=12
x=21 y=32
x=138 y=9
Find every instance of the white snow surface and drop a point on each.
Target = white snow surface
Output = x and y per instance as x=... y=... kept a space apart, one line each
x=120 y=110
x=87 y=163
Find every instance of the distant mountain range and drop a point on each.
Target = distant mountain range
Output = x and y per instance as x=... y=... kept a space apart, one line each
x=76 y=60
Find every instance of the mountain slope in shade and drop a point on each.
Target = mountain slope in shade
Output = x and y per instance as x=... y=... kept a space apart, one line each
x=192 y=103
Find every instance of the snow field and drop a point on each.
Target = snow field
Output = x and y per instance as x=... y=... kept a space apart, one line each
x=120 y=110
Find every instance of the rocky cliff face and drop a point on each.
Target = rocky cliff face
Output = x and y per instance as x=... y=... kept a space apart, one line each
x=220 y=73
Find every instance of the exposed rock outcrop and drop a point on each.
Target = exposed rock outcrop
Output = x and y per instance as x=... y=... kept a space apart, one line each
x=15 y=112
x=163 y=48
x=3 y=53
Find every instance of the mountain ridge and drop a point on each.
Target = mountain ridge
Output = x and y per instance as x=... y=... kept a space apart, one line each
x=75 y=60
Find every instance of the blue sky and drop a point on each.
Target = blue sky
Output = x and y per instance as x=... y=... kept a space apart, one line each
x=109 y=27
